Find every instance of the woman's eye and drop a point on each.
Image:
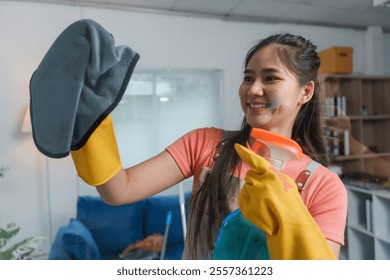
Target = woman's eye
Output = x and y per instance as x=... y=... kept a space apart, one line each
x=248 y=79
x=270 y=78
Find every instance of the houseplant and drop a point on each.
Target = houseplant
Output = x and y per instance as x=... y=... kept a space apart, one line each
x=24 y=249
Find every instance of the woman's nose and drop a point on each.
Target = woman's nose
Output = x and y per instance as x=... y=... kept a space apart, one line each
x=256 y=89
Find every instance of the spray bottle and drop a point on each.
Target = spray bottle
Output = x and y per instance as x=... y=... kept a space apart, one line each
x=238 y=238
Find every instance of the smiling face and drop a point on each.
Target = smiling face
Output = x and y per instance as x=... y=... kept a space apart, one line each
x=270 y=94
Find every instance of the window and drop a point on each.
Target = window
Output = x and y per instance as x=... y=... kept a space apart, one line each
x=159 y=106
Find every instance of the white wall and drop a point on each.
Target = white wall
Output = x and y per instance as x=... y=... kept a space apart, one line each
x=386 y=48
x=28 y=30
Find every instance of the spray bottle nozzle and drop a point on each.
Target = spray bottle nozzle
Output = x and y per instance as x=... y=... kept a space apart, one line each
x=278 y=149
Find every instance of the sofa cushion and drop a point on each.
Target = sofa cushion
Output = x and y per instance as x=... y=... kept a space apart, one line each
x=157 y=208
x=112 y=227
x=58 y=249
x=79 y=241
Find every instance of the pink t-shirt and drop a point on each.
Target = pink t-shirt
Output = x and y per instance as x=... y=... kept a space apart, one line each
x=324 y=195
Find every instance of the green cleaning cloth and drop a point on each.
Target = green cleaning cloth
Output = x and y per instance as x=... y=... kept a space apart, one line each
x=80 y=80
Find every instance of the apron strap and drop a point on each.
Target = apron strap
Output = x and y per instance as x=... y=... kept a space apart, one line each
x=305 y=175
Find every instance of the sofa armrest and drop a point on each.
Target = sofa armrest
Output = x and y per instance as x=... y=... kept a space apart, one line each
x=58 y=250
x=76 y=241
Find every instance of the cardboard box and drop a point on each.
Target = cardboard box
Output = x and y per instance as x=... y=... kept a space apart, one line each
x=336 y=60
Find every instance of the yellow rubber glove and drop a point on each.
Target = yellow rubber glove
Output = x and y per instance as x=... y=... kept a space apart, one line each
x=270 y=200
x=98 y=160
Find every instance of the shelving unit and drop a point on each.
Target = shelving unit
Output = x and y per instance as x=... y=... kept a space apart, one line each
x=356 y=124
x=368 y=226
x=366 y=110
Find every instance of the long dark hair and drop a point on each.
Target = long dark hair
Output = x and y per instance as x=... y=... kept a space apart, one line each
x=211 y=199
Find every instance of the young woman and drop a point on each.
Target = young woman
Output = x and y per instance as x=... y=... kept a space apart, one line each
x=279 y=93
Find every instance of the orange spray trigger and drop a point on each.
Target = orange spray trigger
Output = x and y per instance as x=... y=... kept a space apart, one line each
x=281 y=149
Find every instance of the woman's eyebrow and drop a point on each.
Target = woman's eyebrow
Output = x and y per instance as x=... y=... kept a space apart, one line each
x=249 y=71
x=271 y=70
x=264 y=70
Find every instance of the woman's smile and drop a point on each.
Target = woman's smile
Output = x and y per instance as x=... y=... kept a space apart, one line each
x=259 y=105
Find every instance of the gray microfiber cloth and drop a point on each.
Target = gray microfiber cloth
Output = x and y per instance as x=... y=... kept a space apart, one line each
x=80 y=80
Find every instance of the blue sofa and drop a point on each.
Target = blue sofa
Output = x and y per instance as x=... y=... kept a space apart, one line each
x=101 y=231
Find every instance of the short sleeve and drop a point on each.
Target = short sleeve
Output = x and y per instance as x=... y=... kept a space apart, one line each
x=195 y=150
x=327 y=203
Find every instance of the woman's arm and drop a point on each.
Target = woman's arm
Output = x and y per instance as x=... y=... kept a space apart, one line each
x=142 y=180
x=98 y=163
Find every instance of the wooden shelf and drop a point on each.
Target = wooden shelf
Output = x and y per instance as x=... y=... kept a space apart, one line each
x=360 y=156
x=356 y=118
x=369 y=129
x=370 y=118
x=363 y=118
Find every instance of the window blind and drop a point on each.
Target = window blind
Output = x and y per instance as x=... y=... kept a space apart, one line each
x=159 y=106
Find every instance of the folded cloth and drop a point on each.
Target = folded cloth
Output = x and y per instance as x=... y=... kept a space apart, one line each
x=80 y=80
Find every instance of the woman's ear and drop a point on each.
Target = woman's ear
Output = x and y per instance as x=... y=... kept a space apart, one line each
x=307 y=94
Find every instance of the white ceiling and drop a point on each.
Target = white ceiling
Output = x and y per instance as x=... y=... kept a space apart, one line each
x=339 y=13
